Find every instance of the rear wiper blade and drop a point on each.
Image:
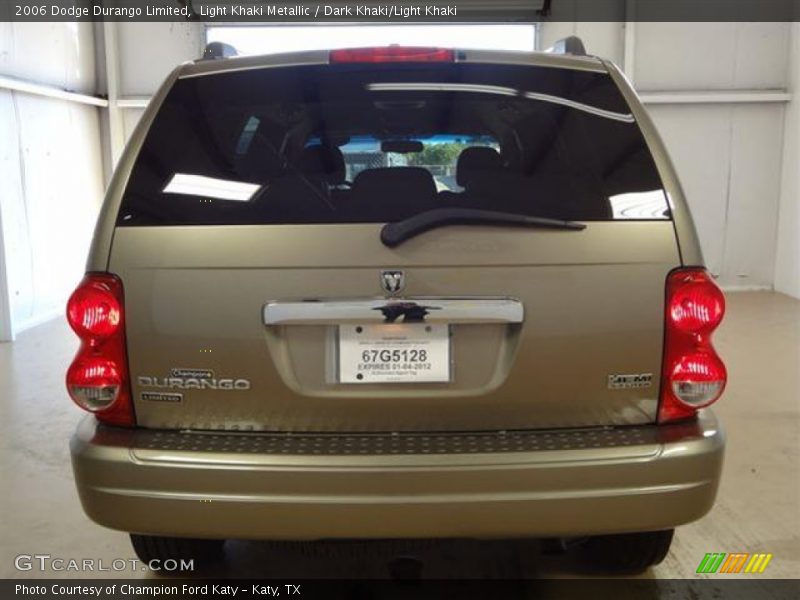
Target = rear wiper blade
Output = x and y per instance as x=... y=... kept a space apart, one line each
x=394 y=234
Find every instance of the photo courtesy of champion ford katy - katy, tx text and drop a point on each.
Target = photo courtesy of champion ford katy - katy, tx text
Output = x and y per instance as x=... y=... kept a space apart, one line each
x=412 y=299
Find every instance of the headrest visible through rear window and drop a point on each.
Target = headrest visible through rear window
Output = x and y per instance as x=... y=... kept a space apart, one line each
x=323 y=161
x=392 y=193
x=476 y=160
x=394 y=181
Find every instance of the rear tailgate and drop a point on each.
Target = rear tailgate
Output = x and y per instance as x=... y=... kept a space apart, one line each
x=593 y=306
x=248 y=242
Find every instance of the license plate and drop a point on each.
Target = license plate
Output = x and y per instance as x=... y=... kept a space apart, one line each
x=394 y=353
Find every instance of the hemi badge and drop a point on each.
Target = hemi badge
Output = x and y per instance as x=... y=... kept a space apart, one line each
x=628 y=382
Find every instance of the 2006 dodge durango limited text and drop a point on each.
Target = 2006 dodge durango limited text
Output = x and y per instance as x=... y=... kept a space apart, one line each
x=384 y=293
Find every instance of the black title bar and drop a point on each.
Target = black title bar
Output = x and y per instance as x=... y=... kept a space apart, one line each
x=399 y=11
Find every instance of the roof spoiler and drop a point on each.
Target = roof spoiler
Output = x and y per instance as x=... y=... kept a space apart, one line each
x=216 y=50
x=569 y=45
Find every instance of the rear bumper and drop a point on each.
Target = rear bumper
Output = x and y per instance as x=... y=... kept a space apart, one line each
x=372 y=486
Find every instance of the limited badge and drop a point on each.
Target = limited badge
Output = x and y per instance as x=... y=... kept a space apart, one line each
x=158 y=397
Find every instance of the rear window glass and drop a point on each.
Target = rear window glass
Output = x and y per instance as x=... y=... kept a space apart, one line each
x=380 y=143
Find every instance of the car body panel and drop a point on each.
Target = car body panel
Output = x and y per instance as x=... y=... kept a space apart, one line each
x=273 y=487
x=195 y=296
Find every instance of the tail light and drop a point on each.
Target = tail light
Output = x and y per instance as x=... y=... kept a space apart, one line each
x=693 y=374
x=389 y=54
x=97 y=379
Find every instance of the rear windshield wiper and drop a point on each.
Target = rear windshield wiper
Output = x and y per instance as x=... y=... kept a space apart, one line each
x=394 y=234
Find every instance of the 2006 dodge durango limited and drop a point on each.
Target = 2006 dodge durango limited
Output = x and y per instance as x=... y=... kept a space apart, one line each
x=388 y=293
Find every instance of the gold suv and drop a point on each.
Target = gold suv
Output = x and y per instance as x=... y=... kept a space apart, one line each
x=397 y=293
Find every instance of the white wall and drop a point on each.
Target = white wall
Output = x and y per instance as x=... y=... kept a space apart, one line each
x=729 y=156
x=50 y=168
x=787 y=260
x=6 y=327
x=711 y=56
x=147 y=53
x=729 y=160
x=59 y=54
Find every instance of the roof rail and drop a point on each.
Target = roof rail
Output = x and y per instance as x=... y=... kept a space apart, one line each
x=569 y=45
x=216 y=50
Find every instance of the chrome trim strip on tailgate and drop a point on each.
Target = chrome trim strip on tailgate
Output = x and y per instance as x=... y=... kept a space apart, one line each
x=374 y=310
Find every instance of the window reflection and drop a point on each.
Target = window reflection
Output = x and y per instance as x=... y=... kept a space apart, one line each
x=210 y=187
x=640 y=205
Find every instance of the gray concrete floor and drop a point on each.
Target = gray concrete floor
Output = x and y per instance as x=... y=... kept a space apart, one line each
x=758 y=508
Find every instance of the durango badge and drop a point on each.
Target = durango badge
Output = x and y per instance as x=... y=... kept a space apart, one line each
x=393 y=282
x=193 y=383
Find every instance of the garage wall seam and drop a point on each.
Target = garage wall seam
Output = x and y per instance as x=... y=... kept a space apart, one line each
x=728 y=178
x=23 y=187
x=6 y=326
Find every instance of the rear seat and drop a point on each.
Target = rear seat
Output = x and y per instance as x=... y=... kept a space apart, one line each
x=291 y=191
x=489 y=185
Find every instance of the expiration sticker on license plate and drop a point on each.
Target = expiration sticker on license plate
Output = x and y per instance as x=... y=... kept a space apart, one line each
x=394 y=353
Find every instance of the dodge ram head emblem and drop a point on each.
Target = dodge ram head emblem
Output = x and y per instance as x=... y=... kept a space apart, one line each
x=393 y=282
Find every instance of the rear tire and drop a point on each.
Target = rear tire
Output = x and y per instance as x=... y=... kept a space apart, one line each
x=627 y=552
x=151 y=547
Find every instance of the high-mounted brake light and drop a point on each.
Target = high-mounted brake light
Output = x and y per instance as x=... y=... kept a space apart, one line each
x=98 y=378
x=693 y=375
x=389 y=54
